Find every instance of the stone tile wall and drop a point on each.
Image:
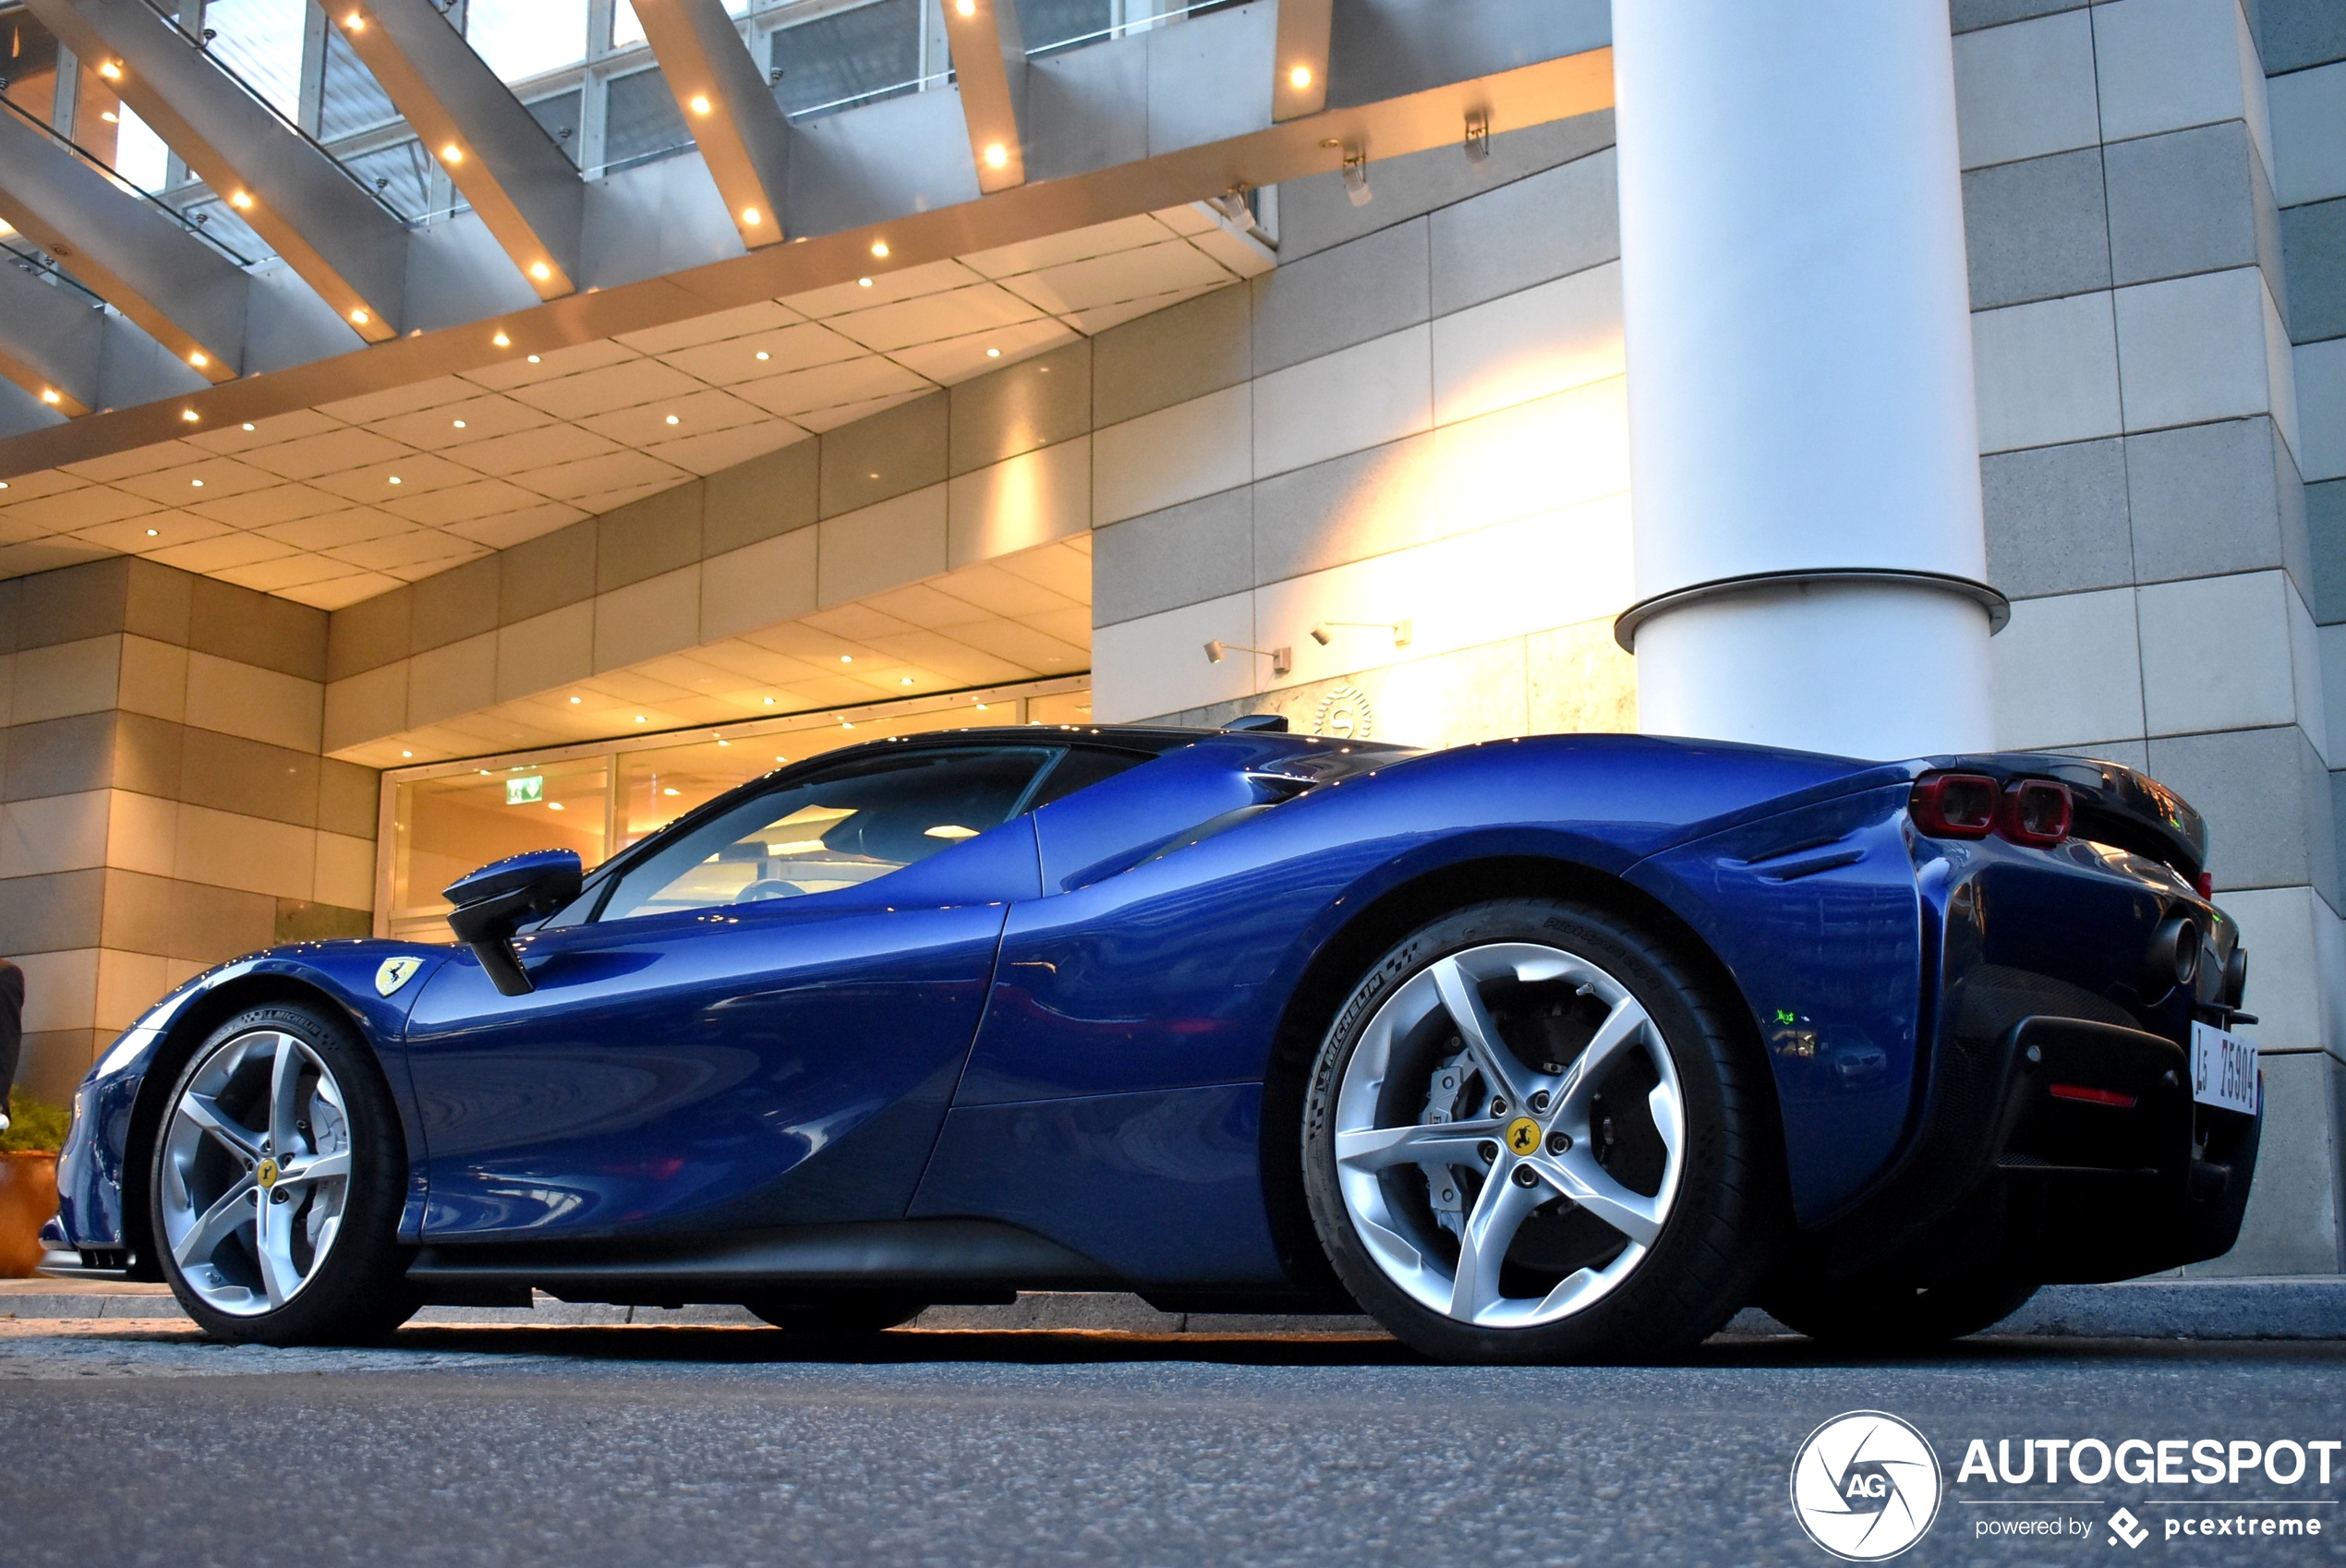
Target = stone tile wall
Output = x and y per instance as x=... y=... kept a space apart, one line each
x=165 y=803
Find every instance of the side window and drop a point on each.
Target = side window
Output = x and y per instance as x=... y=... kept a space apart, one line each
x=844 y=826
x=1080 y=769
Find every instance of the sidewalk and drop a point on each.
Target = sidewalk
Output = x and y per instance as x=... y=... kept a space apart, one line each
x=2294 y=1306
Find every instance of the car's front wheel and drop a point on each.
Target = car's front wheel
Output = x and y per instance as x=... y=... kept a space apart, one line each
x=1532 y=1135
x=276 y=1184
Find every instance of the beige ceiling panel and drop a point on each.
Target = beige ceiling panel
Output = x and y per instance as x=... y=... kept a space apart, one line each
x=329 y=452
x=355 y=526
x=508 y=529
x=763 y=317
x=287 y=572
x=463 y=503
x=882 y=288
x=956 y=662
x=474 y=418
x=918 y=604
x=530 y=449
x=691 y=675
x=1071 y=625
x=137 y=460
x=831 y=386
x=614 y=386
x=959 y=359
x=601 y=477
x=1090 y=323
x=395 y=401
x=1064 y=567
x=820 y=651
x=1128 y=275
x=84 y=508
x=399 y=554
x=524 y=370
x=32 y=487
x=692 y=413
x=156 y=532
x=822 y=420
x=278 y=503
x=220 y=553
x=212 y=477
x=955 y=313
x=1076 y=245
x=401 y=478
x=1190 y=218
x=1243 y=254
x=1024 y=646
x=754 y=664
x=265 y=432
x=997 y=592
x=432 y=566
x=46 y=555
x=336 y=593
x=762 y=353
x=854 y=624
x=722 y=449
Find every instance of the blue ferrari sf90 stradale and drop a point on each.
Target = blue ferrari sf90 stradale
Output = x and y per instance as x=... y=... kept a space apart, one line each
x=1553 y=1049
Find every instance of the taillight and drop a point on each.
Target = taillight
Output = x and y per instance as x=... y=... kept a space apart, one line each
x=2035 y=811
x=1954 y=806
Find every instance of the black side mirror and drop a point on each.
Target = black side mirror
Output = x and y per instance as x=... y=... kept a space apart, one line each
x=504 y=895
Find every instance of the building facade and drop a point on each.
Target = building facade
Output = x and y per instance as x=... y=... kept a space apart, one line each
x=1353 y=445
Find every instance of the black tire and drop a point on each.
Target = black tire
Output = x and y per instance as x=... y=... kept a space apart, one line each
x=854 y=1315
x=1722 y=1230
x=357 y=1290
x=1873 y=1319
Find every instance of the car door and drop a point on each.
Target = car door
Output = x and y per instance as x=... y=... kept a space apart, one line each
x=757 y=1019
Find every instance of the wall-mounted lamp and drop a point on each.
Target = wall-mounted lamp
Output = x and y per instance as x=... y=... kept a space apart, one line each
x=1478 y=139
x=1400 y=630
x=1356 y=176
x=1282 y=660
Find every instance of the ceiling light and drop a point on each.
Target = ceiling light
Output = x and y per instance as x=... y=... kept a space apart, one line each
x=151 y=533
x=763 y=355
x=360 y=317
x=862 y=283
x=1300 y=77
x=459 y=423
x=241 y=200
x=879 y=249
x=967 y=7
x=196 y=484
x=540 y=270
x=189 y=415
x=575 y=700
x=669 y=791
x=355 y=22
x=533 y=359
x=394 y=478
x=199 y=359
x=50 y=396
x=981 y=707
x=907 y=681
x=996 y=155
x=700 y=103
x=993 y=354
x=751 y=216
x=407 y=753
x=639 y=719
x=553 y=805
x=111 y=71
x=847 y=658
x=502 y=340
x=672 y=418
x=110 y=117
x=247 y=425
x=769 y=702
x=451 y=153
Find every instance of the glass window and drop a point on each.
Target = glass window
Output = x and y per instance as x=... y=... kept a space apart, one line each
x=352 y=100
x=1047 y=24
x=847 y=825
x=1082 y=767
x=847 y=57
x=140 y=155
x=640 y=120
x=29 y=65
x=527 y=37
x=559 y=117
x=400 y=174
x=626 y=27
x=260 y=41
x=444 y=828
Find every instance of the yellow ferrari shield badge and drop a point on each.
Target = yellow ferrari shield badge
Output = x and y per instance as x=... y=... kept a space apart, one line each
x=1523 y=1135
x=395 y=973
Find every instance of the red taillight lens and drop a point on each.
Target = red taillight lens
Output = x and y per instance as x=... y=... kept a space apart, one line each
x=2035 y=811
x=1954 y=806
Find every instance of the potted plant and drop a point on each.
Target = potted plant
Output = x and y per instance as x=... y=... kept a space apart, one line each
x=28 y=1182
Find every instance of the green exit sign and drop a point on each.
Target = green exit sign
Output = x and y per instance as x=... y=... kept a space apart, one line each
x=525 y=791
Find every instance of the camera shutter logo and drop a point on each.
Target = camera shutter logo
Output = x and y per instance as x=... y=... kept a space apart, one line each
x=1866 y=1486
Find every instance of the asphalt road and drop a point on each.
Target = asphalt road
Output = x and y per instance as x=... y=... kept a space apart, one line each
x=675 y=1447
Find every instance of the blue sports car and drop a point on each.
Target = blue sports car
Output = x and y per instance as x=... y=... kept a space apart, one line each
x=1561 y=1048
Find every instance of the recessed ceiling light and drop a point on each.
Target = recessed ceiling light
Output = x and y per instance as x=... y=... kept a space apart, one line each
x=540 y=270
x=196 y=484
x=981 y=707
x=752 y=217
x=242 y=201
x=459 y=423
x=451 y=153
x=862 y=283
x=200 y=359
x=639 y=719
x=996 y=155
x=553 y=805
x=700 y=103
x=394 y=478
x=1300 y=77
x=407 y=753
x=360 y=317
x=967 y=7
x=534 y=359
x=847 y=658
x=110 y=117
x=993 y=354
x=502 y=340
x=907 y=681
x=672 y=418
x=189 y=415
x=51 y=396
x=111 y=71
x=575 y=700
x=151 y=533
x=769 y=702
x=763 y=355
x=247 y=424
x=669 y=791
x=879 y=249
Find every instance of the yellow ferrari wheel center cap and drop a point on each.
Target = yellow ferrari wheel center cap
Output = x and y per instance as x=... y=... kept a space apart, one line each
x=266 y=1173
x=1523 y=1135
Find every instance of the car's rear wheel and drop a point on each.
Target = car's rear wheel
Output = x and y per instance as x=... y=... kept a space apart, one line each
x=1874 y=1319
x=1532 y=1135
x=843 y=1316
x=276 y=1184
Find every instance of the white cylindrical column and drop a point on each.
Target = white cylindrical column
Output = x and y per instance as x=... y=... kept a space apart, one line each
x=1804 y=447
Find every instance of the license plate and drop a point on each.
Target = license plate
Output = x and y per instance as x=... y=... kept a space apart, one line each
x=2223 y=1069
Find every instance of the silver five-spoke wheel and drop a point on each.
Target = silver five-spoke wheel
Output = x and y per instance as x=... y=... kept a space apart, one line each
x=1508 y=1135
x=255 y=1172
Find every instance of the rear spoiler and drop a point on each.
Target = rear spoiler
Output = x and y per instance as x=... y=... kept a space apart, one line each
x=2114 y=804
